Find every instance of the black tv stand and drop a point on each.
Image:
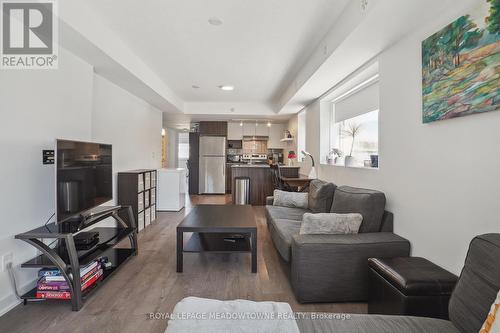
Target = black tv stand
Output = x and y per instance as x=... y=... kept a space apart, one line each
x=79 y=221
x=65 y=257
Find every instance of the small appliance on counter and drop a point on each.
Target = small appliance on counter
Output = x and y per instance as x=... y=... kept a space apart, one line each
x=233 y=158
x=233 y=155
x=275 y=155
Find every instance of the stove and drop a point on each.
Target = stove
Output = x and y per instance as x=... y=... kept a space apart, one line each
x=254 y=158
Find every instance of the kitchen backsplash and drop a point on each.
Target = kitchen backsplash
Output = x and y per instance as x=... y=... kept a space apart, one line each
x=255 y=147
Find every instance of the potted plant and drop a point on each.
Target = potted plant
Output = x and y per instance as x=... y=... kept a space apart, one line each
x=333 y=156
x=291 y=157
x=352 y=132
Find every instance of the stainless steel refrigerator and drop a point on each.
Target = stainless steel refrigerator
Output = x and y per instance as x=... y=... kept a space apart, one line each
x=212 y=165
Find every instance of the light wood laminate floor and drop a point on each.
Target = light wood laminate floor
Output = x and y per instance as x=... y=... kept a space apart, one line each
x=149 y=283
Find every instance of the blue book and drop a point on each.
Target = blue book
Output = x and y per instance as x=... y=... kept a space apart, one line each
x=48 y=272
x=55 y=272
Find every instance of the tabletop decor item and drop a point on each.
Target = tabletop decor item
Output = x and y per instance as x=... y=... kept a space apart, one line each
x=352 y=132
x=312 y=173
x=291 y=157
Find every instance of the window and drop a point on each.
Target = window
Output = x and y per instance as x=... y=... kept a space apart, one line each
x=301 y=135
x=354 y=141
x=354 y=127
x=183 y=146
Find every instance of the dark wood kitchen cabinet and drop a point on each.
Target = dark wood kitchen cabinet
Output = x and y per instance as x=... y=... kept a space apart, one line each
x=194 y=162
x=213 y=128
x=228 y=177
x=261 y=182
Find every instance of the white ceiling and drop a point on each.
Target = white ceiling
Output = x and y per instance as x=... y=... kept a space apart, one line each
x=259 y=47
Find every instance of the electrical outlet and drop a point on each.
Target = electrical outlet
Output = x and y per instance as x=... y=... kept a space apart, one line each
x=7 y=259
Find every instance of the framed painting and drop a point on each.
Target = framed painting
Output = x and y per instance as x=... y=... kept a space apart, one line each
x=461 y=65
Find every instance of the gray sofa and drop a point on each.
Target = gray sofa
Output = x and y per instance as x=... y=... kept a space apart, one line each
x=470 y=302
x=333 y=268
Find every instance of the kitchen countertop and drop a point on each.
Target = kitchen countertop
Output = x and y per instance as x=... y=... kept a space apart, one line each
x=176 y=170
x=244 y=165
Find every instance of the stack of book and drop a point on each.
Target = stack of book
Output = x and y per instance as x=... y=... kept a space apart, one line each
x=51 y=284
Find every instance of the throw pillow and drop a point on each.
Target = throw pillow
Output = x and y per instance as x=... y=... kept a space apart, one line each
x=492 y=323
x=291 y=199
x=320 y=196
x=330 y=223
x=369 y=203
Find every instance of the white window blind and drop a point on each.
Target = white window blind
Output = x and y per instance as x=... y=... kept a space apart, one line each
x=362 y=101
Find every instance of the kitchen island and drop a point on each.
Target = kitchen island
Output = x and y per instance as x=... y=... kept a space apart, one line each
x=261 y=181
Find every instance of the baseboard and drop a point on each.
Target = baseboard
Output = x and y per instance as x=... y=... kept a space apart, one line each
x=11 y=301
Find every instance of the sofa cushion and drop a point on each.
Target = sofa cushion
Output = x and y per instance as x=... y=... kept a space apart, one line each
x=282 y=231
x=320 y=196
x=369 y=203
x=478 y=285
x=242 y=316
x=492 y=322
x=277 y=212
x=330 y=224
x=376 y=324
x=291 y=199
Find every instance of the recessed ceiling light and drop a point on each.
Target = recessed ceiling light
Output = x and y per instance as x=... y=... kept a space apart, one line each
x=215 y=21
x=227 y=88
x=268 y=124
x=241 y=123
x=194 y=86
x=231 y=109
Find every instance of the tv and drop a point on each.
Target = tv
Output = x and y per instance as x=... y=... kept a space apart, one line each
x=84 y=178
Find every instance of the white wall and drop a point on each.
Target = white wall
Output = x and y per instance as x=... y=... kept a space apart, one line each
x=131 y=125
x=37 y=106
x=172 y=148
x=441 y=179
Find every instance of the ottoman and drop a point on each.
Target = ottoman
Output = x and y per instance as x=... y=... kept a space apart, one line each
x=410 y=286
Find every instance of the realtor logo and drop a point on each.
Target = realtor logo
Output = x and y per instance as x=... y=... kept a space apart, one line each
x=29 y=34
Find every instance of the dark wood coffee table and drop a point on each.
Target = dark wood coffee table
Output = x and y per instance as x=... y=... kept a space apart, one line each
x=218 y=229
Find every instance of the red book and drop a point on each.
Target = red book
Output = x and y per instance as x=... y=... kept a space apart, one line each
x=89 y=274
x=53 y=294
x=53 y=286
x=92 y=280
